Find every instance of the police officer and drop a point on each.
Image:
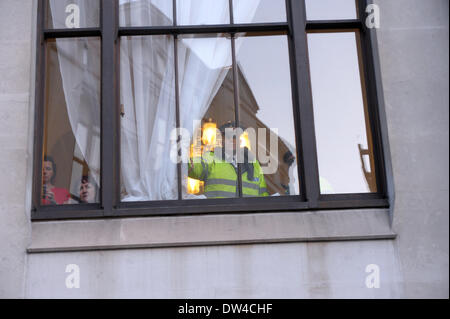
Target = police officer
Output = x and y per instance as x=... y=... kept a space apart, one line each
x=219 y=169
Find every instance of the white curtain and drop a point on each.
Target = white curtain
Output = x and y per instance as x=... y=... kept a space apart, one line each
x=148 y=101
x=79 y=63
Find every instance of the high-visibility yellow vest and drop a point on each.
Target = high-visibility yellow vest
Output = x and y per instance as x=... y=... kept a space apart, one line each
x=220 y=177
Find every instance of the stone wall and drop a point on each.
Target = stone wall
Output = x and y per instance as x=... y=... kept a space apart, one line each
x=413 y=49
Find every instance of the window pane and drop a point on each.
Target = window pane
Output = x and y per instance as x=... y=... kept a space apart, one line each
x=344 y=141
x=194 y=12
x=330 y=9
x=148 y=117
x=71 y=157
x=62 y=14
x=206 y=104
x=266 y=108
x=259 y=11
x=135 y=13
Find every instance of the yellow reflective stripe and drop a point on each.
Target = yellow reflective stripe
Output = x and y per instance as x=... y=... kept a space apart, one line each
x=250 y=185
x=220 y=194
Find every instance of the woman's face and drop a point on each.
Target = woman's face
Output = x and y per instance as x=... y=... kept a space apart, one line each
x=47 y=172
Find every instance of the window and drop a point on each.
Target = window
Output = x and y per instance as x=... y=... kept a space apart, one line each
x=155 y=107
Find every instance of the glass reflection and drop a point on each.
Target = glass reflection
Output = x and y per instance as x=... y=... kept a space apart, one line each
x=264 y=140
x=344 y=141
x=69 y=14
x=259 y=11
x=266 y=109
x=136 y=13
x=71 y=155
x=197 y=12
x=330 y=9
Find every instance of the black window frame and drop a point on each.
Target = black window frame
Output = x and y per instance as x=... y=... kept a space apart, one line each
x=296 y=29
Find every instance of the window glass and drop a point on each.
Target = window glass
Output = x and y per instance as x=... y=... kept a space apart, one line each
x=263 y=142
x=259 y=11
x=344 y=141
x=266 y=109
x=198 y=12
x=148 y=117
x=330 y=9
x=135 y=13
x=182 y=134
x=206 y=105
x=69 y=14
x=71 y=155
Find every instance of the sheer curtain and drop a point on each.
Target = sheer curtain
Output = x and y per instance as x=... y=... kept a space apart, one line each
x=79 y=63
x=148 y=104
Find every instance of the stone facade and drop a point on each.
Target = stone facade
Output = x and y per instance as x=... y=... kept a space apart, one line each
x=413 y=57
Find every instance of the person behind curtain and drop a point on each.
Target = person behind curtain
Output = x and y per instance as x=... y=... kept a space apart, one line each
x=218 y=169
x=88 y=190
x=52 y=195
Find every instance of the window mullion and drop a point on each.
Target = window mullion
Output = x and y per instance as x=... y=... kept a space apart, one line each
x=230 y=8
x=303 y=97
x=178 y=118
x=236 y=108
x=39 y=115
x=174 y=8
x=372 y=100
x=177 y=105
x=109 y=128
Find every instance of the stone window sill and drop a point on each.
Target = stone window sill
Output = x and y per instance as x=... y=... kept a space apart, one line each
x=206 y=230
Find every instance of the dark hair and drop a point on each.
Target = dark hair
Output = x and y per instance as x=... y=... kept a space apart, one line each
x=51 y=160
x=87 y=179
x=288 y=158
x=230 y=124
